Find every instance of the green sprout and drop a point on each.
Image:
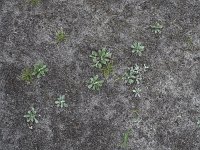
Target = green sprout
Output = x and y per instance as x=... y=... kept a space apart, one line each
x=39 y=70
x=125 y=139
x=156 y=28
x=95 y=83
x=27 y=75
x=132 y=75
x=60 y=36
x=31 y=116
x=107 y=70
x=189 y=41
x=100 y=58
x=137 y=91
x=61 y=101
x=138 y=48
x=34 y=2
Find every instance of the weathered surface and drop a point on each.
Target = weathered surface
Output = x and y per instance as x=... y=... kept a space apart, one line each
x=169 y=106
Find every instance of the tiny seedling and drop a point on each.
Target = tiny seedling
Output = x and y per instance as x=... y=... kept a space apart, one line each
x=145 y=67
x=60 y=102
x=138 y=48
x=60 y=36
x=39 y=70
x=198 y=122
x=27 y=75
x=107 y=70
x=136 y=118
x=95 y=83
x=100 y=58
x=34 y=2
x=31 y=116
x=132 y=75
x=137 y=91
x=117 y=77
x=156 y=28
x=189 y=42
x=125 y=139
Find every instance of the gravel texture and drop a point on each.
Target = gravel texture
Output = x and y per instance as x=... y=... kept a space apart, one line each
x=169 y=106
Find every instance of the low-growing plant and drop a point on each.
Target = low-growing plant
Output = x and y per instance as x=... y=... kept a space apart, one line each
x=125 y=139
x=137 y=91
x=39 y=70
x=95 y=83
x=156 y=28
x=31 y=116
x=60 y=36
x=100 y=58
x=27 y=75
x=34 y=2
x=107 y=70
x=132 y=75
x=138 y=48
x=60 y=102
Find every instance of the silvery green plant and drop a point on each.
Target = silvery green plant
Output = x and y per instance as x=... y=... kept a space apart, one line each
x=100 y=58
x=145 y=67
x=95 y=83
x=132 y=75
x=137 y=48
x=31 y=116
x=39 y=70
x=137 y=91
x=198 y=122
x=156 y=28
x=60 y=102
